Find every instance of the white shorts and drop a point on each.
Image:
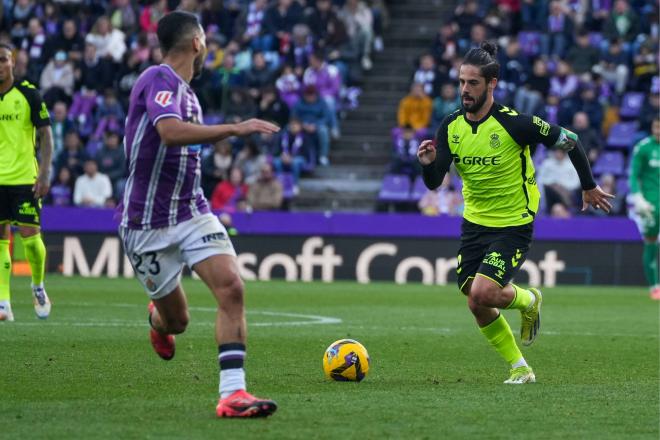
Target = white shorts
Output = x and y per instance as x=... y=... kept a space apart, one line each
x=158 y=255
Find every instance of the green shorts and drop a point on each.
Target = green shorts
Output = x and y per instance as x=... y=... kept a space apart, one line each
x=18 y=205
x=496 y=253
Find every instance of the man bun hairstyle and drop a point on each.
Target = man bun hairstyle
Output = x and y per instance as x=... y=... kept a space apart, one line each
x=485 y=58
x=175 y=28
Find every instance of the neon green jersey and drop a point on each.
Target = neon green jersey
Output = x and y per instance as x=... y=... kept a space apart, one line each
x=21 y=112
x=645 y=170
x=493 y=158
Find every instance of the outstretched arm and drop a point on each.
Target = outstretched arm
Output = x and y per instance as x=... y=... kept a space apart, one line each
x=175 y=133
x=435 y=163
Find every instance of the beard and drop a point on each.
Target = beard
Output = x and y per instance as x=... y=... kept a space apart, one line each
x=198 y=64
x=476 y=105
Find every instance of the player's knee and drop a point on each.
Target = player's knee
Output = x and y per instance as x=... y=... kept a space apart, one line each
x=484 y=295
x=231 y=294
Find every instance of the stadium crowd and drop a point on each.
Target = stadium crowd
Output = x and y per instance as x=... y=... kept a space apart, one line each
x=294 y=62
x=588 y=65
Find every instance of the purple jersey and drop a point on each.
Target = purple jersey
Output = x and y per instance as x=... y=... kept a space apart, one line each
x=163 y=186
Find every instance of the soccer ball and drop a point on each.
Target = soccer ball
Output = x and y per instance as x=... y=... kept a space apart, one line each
x=346 y=360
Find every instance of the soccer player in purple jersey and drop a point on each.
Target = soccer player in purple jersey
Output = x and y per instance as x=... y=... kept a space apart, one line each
x=165 y=219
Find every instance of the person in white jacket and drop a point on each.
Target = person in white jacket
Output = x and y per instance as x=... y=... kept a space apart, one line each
x=109 y=42
x=92 y=189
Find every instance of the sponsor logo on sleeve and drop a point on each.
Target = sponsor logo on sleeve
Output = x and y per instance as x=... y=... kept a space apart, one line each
x=163 y=98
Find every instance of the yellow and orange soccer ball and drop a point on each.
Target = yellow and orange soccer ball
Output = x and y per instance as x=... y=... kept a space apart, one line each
x=346 y=360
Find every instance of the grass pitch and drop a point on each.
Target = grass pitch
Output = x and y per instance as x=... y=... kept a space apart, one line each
x=89 y=371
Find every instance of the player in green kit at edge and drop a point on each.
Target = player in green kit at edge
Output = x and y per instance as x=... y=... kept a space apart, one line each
x=490 y=147
x=23 y=181
x=645 y=195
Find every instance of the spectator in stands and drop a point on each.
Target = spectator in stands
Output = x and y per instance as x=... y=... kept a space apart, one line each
x=68 y=41
x=73 y=156
x=645 y=66
x=650 y=110
x=533 y=14
x=589 y=104
x=57 y=79
x=582 y=56
x=225 y=79
x=514 y=69
x=478 y=34
x=558 y=31
x=590 y=138
x=321 y=21
x=404 y=153
x=427 y=74
x=216 y=166
x=124 y=16
x=110 y=115
x=325 y=78
x=258 y=76
x=239 y=107
x=444 y=200
x=61 y=192
x=60 y=125
x=151 y=14
x=300 y=49
x=33 y=43
x=613 y=67
x=466 y=15
x=279 y=21
x=112 y=162
x=110 y=43
x=250 y=27
x=316 y=119
x=93 y=189
x=272 y=108
x=445 y=47
x=416 y=108
x=446 y=103
x=230 y=195
x=622 y=23
x=559 y=179
x=249 y=160
x=288 y=86
x=358 y=19
x=93 y=72
x=22 y=69
x=292 y=151
x=266 y=192
x=564 y=83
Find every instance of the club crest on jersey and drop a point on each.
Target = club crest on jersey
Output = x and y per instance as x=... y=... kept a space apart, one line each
x=163 y=98
x=494 y=140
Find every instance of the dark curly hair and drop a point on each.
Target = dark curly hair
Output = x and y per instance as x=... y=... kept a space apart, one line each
x=485 y=58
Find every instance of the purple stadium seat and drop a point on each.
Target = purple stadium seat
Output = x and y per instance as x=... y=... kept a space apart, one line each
x=395 y=188
x=530 y=42
x=286 y=179
x=418 y=189
x=611 y=162
x=622 y=187
x=631 y=105
x=622 y=135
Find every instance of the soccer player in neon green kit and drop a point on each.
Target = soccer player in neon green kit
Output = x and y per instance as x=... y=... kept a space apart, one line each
x=490 y=147
x=645 y=195
x=23 y=180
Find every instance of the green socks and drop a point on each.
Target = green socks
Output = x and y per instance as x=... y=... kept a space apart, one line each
x=5 y=270
x=650 y=259
x=501 y=338
x=35 y=251
x=522 y=300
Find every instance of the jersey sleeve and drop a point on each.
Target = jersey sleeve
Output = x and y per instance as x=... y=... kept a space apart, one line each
x=528 y=129
x=162 y=98
x=434 y=173
x=38 y=111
